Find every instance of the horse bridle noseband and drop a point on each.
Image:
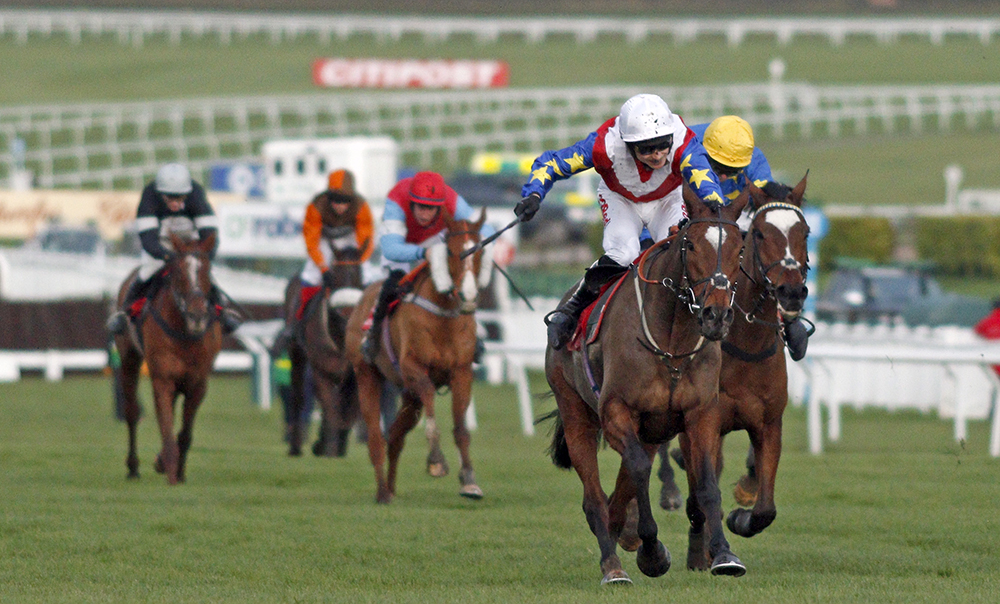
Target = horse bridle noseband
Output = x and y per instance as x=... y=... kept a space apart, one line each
x=768 y=287
x=433 y=308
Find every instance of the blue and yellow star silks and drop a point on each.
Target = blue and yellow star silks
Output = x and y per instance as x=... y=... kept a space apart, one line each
x=558 y=165
x=759 y=170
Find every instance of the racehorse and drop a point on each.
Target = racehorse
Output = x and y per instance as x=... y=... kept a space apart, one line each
x=650 y=373
x=753 y=387
x=319 y=343
x=179 y=335
x=427 y=343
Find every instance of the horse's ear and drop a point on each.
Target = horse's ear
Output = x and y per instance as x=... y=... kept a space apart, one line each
x=695 y=207
x=735 y=207
x=482 y=218
x=799 y=192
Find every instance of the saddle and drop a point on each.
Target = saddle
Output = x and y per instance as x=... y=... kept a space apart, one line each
x=589 y=325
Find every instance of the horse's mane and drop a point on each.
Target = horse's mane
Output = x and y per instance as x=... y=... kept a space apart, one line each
x=776 y=190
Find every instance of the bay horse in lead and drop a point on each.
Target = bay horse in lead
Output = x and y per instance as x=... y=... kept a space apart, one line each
x=179 y=335
x=650 y=373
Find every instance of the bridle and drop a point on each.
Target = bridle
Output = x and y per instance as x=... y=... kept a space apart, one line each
x=463 y=307
x=181 y=302
x=767 y=287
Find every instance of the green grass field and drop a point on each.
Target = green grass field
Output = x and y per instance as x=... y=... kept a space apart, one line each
x=895 y=512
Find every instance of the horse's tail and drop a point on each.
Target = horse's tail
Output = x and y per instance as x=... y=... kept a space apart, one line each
x=558 y=450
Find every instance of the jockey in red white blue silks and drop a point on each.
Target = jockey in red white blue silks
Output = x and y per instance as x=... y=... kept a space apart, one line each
x=412 y=227
x=643 y=156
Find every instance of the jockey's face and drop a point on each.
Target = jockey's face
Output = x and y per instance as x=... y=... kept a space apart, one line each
x=723 y=171
x=339 y=207
x=424 y=214
x=654 y=156
x=175 y=203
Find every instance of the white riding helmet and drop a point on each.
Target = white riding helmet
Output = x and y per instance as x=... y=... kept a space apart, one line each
x=644 y=117
x=173 y=179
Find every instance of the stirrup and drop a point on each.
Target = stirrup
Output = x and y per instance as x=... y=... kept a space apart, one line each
x=230 y=321
x=117 y=323
x=559 y=331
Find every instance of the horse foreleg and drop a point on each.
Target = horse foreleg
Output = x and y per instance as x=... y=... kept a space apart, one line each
x=406 y=419
x=652 y=557
x=623 y=512
x=165 y=393
x=296 y=426
x=327 y=396
x=192 y=401
x=461 y=395
x=703 y=457
x=767 y=452
x=416 y=380
x=746 y=488
x=128 y=382
x=369 y=392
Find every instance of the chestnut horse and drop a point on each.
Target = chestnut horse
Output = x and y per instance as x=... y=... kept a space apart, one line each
x=427 y=343
x=753 y=387
x=651 y=373
x=179 y=335
x=319 y=342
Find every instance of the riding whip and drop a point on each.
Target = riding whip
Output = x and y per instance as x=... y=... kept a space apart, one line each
x=490 y=239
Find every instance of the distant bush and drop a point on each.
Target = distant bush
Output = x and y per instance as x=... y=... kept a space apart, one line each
x=960 y=246
x=867 y=238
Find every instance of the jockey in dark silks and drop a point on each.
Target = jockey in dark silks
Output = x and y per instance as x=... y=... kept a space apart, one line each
x=172 y=203
x=413 y=221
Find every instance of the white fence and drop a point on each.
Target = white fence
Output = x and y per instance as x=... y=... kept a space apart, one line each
x=121 y=145
x=134 y=27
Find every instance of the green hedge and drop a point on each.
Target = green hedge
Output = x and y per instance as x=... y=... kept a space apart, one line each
x=960 y=247
x=867 y=238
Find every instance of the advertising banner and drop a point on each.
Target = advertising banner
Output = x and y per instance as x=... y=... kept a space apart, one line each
x=409 y=73
x=261 y=231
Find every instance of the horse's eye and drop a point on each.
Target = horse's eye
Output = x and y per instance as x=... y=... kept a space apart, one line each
x=758 y=235
x=689 y=245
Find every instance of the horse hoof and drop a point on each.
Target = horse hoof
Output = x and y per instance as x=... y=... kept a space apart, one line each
x=629 y=541
x=629 y=538
x=655 y=565
x=295 y=452
x=616 y=577
x=437 y=470
x=746 y=491
x=158 y=465
x=383 y=498
x=472 y=491
x=670 y=497
x=728 y=565
x=132 y=476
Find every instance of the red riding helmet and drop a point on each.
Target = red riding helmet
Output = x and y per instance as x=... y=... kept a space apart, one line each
x=427 y=188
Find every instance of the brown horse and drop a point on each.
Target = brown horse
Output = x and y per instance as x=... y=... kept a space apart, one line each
x=428 y=343
x=179 y=335
x=319 y=343
x=651 y=373
x=753 y=386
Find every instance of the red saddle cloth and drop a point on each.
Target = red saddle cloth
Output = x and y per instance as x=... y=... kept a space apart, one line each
x=305 y=295
x=580 y=334
x=136 y=308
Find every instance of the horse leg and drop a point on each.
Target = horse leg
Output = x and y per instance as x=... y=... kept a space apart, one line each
x=128 y=376
x=670 y=494
x=165 y=394
x=326 y=395
x=652 y=557
x=369 y=392
x=296 y=427
x=623 y=512
x=406 y=419
x=416 y=381
x=192 y=401
x=747 y=486
x=461 y=395
x=767 y=452
x=703 y=455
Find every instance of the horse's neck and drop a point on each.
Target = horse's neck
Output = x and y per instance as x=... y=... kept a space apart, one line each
x=667 y=315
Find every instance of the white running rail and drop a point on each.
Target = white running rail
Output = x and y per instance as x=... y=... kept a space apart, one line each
x=121 y=145
x=134 y=27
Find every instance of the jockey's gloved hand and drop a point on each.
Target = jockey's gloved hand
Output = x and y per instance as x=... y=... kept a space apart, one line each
x=328 y=279
x=528 y=207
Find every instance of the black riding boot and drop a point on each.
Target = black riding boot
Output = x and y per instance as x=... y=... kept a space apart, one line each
x=228 y=316
x=796 y=338
x=118 y=321
x=370 y=345
x=562 y=321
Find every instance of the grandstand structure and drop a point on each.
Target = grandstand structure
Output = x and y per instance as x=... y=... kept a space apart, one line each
x=120 y=145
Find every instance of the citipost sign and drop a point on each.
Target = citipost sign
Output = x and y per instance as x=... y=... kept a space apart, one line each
x=261 y=231
x=409 y=73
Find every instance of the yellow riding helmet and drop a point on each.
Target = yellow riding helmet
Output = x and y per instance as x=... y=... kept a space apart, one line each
x=729 y=141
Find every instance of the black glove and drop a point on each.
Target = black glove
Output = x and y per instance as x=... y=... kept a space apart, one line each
x=328 y=279
x=528 y=207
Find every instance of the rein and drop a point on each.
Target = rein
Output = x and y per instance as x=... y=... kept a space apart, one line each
x=181 y=305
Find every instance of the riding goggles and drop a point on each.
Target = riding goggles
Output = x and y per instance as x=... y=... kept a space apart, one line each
x=649 y=147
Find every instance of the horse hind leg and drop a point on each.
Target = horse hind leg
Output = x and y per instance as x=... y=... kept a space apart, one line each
x=127 y=378
x=652 y=557
x=670 y=493
x=747 y=486
x=406 y=419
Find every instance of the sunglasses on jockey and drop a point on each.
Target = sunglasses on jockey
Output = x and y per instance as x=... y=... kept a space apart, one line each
x=723 y=169
x=655 y=145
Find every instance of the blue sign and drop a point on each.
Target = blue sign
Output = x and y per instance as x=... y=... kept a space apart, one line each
x=819 y=225
x=242 y=179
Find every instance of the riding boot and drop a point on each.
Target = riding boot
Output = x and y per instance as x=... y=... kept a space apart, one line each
x=370 y=345
x=796 y=338
x=228 y=317
x=562 y=321
x=118 y=321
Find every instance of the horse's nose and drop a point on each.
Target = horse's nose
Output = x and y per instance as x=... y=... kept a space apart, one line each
x=715 y=321
x=791 y=296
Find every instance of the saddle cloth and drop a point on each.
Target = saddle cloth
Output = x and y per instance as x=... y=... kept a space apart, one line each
x=589 y=324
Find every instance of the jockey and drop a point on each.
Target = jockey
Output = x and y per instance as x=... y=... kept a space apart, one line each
x=735 y=159
x=171 y=203
x=336 y=219
x=643 y=156
x=413 y=221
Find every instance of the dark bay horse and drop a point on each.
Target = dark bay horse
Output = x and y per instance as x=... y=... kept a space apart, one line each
x=651 y=373
x=428 y=343
x=318 y=342
x=179 y=335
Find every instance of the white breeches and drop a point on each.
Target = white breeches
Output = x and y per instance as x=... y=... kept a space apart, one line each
x=624 y=219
